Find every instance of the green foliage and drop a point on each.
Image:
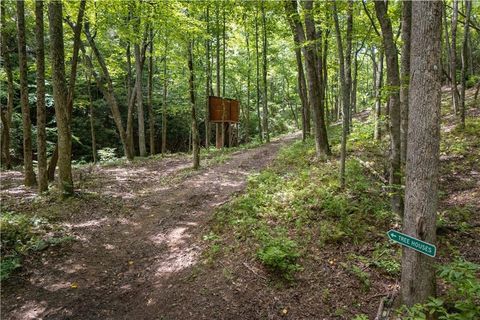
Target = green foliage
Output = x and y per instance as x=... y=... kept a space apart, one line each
x=279 y=254
x=462 y=299
x=21 y=234
x=107 y=154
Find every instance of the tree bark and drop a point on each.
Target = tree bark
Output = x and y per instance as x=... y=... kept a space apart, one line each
x=77 y=30
x=466 y=34
x=453 y=57
x=29 y=178
x=314 y=81
x=393 y=80
x=422 y=167
x=140 y=114
x=345 y=89
x=60 y=96
x=348 y=62
x=265 y=86
x=151 y=120
x=207 y=80
x=131 y=98
x=41 y=109
x=164 y=104
x=405 y=75
x=378 y=76
x=249 y=64
x=6 y=114
x=195 y=135
x=302 y=90
x=260 y=128
x=92 y=121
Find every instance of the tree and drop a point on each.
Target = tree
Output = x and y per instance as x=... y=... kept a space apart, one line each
x=302 y=90
x=422 y=167
x=405 y=75
x=29 y=178
x=208 y=77
x=41 y=109
x=453 y=57
x=6 y=113
x=314 y=82
x=463 y=76
x=151 y=120
x=195 y=136
x=265 y=95
x=393 y=80
x=165 y=91
x=345 y=81
x=260 y=127
x=60 y=93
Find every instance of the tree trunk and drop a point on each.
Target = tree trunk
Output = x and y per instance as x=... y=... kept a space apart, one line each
x=140 y=115
x=314 y=81
x=453 y=57
x=265 y=86
x=422 y=167
x=77 y=30
x=92 y=121
x=207 y=80
x=164 y=106
x=29 y=178
x=110 y=95
x=466 y=34
x=60 y=96
x=41 y=109
x=260 y=128
x=345 y=88
x=224 y=45
x=405 y=75
x=249 y=64
x=131 y=98
x=195 y=136
x=348 y=62
x=378 y=70
x=6 y=115
x=393 y=80
x=151 y=120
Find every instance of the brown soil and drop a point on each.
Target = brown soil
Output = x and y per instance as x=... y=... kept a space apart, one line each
x=138 y=231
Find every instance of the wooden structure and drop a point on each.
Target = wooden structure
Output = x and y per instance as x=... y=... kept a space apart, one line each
x=225 y=113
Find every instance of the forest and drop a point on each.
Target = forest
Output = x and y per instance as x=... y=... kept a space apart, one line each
x=240 y=159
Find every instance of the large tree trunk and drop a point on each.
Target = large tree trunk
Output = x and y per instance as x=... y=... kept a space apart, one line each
x=302 y=90
x=378 y=79
x=345 y=86
x=151 y=120
x=453 y=57
x=77 y=30
x=405 y=74
x=110 y=95
x=6 y=115
x=421 y=197
x=265 y=86
x=348 y=62
x=466 y=33
x=60 y=96
x=131 y=98
x=29 y=178
x=314 y=81
x=140 y=115
x=195 y=135
x=393 y=80
x=41 y=109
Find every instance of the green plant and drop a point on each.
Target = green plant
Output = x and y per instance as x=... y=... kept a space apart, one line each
x=107 y=154
x=8 y=265
x=280 y=254
x=462 y=299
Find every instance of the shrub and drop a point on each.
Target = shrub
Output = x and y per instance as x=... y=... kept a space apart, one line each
x=107 y=154
x=280 y=254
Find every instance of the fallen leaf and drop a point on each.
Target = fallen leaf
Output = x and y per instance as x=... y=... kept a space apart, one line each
x=74 y=285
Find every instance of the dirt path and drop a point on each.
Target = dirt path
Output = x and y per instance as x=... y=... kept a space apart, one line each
x=129 y=253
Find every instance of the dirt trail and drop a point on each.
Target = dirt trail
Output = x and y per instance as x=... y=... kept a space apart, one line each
x=123 y=266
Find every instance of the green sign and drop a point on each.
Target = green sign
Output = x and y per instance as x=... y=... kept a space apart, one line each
x=412 y=243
